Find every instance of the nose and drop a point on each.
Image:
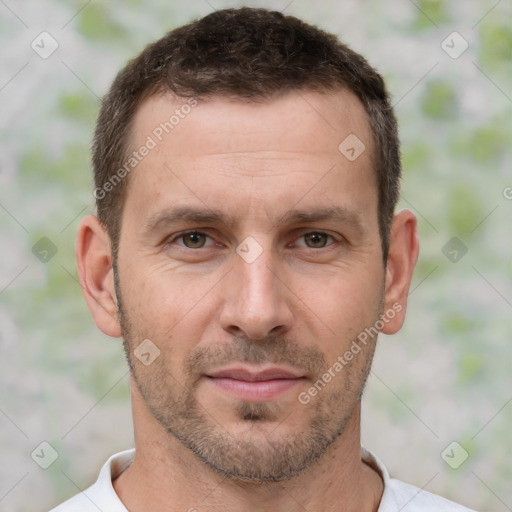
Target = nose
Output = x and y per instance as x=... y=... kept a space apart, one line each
x=257 y=300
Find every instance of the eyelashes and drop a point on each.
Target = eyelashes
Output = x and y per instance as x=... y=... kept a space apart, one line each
x=196 y=239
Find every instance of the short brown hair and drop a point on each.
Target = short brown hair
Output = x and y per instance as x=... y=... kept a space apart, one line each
x=251 y=55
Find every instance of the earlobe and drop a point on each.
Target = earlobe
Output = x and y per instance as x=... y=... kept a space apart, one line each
x=94 y=262
x=402 y=257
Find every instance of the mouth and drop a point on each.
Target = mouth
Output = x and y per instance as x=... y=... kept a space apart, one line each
x=254 y=385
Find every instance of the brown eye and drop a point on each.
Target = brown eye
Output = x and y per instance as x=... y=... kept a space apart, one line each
x=316 y=240
x=194 y=240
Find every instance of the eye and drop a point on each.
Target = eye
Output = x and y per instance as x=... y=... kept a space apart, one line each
x=193 y=239
x=316 y=240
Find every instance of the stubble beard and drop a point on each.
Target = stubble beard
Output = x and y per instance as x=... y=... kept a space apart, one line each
x=259 y=453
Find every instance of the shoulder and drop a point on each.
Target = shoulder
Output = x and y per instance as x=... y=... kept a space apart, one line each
x=402 y=497
x=101 y=495
x=408 y=498
x=78 y=503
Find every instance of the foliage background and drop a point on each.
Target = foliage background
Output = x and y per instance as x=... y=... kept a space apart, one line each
x=445 y=377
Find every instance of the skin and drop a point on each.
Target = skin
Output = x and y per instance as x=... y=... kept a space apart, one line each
x=298 y=305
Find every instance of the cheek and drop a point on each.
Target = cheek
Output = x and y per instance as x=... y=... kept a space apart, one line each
x=343 y=306
x=167 y=307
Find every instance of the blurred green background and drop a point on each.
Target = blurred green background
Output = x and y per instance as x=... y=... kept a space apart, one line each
x=445 y=377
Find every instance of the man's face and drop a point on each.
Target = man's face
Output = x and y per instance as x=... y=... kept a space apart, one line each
x=250 y=256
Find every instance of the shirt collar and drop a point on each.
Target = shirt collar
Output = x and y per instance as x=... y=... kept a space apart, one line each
x=103 y=492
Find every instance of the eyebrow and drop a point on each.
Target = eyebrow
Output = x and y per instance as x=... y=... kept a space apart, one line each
x=193 y=215
x=309 y=216
x=187 y=214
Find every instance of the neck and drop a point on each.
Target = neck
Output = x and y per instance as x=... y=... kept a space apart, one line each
x=167 y=477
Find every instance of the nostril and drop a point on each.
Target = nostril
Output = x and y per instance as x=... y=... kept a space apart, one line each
x=276 y=329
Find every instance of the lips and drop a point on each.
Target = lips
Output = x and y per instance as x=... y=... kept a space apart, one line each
x=254 y=385
x=248 y=376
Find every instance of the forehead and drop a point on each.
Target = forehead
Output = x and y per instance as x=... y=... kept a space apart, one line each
x=226 y=152
x=317 y=120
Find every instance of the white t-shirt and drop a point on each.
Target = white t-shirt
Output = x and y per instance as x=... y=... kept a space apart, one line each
x=398 y=496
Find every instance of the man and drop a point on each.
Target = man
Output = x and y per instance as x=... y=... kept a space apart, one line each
x=246 y=249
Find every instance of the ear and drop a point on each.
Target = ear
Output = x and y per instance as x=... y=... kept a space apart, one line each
x=94 y=262
x=402 y=257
